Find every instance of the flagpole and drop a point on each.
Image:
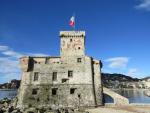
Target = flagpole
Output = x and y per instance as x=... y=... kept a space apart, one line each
x=74 y=21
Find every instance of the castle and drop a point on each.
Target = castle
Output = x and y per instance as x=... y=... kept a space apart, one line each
x=69 y=80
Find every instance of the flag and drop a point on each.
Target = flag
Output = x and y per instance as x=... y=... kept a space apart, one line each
x=72 y=21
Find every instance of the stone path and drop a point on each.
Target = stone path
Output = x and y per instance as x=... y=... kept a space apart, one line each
x=124 y=109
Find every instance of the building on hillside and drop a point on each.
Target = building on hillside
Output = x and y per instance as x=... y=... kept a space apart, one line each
x=69 y=80
x=146 y=83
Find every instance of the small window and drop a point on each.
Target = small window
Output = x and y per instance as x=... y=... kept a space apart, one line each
x=54 y=91
x=70 y=40
x=79 y=60
x=70 y=73
x=36 y=76
x=79 y=48
x=72 y=90
x=64 y=80
x=38 y=99
x=54 y=76
x=34 y=91
x=46 y=60
x=79 y=96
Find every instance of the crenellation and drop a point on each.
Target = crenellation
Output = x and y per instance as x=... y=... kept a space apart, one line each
x=72 y=33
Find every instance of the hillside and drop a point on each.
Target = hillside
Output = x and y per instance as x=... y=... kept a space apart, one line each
x=13 y=84
x=146 y=78
x=114 y=80
x=119 y=77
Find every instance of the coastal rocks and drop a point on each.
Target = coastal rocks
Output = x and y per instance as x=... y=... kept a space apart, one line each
x=5 y=100
x=49 y=110
x=9 y=106
x=6 y=106
x=9 y=109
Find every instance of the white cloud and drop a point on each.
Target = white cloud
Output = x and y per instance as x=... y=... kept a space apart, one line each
x=117 y=62
x=3 y=48
x=9 y=69
x=9 y=52
x=144 y=4
x=132 y=72
x=121 y=63
x=37 y=54
x=9 y=64
x=12 y=53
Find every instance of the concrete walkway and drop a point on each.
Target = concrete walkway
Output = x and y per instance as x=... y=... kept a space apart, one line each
x=121 y=109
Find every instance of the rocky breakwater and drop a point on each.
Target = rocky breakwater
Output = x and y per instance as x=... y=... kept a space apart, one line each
x=9 y=106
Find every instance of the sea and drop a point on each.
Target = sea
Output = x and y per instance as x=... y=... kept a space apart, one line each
x=8 y=93
x=134 y=95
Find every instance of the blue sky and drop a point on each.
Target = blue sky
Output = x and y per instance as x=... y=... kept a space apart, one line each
x=117 y=32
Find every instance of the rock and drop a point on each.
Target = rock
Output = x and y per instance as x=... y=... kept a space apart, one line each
x=10 y=109
x=6 y=104
x=71 y=110
x=17 y=111
x=1 y=111
x=9 y=106
x=14 y=102
x=42 y=110
x=31 y=110
x=5 y=100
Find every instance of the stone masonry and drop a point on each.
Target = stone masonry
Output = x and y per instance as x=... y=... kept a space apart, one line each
x=71 y=80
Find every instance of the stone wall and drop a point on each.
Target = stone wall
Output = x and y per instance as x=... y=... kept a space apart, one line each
x=96 y=64
x=72 y=43
x=83 y=96
x=85 y=80
x=72 y=79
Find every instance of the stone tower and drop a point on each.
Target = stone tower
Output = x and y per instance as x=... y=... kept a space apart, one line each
x=71 y=80
x=72 y=43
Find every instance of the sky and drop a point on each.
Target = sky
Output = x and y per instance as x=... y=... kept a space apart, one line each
x=117 y=32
